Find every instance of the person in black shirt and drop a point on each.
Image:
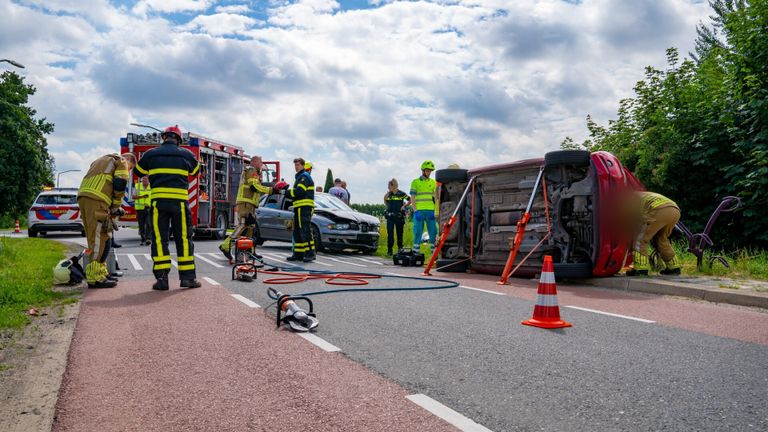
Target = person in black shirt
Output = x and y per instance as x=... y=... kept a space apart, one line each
x=169 y=167
x=395 y=214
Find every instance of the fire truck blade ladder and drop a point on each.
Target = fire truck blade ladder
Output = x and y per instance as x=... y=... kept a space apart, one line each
x=447 y=228
x=521 y=224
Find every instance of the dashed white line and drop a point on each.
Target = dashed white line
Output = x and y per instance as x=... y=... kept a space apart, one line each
x=611 y=314
x=248 y=302
x=481 y=290
x=134 y=262
x=322 y=344
x=317 y=261
x=211 y=281
x=273 y=257
x=215 y=264
x=459 y=420
x=344 y=262
x=148 y=257
x=367 y=260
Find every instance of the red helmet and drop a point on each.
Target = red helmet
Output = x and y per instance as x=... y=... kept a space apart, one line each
x=172 y=130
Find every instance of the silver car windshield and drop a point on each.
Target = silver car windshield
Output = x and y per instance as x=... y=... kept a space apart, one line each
x=330 y=202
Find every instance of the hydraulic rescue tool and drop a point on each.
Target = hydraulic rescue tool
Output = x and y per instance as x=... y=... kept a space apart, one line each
x=247 y=261
x=447 y=228
x=520 y=232
x=290 y=313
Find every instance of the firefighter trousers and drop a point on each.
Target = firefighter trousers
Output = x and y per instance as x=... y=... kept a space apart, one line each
x=303 y=243
x=172 y=215
x=658 y=232
x=245 y=226
x=98 y=232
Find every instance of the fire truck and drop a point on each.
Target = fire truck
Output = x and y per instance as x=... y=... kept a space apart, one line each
x=213 y=191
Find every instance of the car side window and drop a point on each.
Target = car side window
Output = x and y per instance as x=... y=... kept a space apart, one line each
x=271 y=201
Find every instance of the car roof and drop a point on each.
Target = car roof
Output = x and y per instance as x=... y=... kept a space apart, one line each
x=60 y=191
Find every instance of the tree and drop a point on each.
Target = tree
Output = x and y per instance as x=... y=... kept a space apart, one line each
x=24 y=160
x=328 y=180
x=698 y=130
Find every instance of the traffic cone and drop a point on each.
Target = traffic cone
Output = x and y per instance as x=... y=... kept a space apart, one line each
x=18 y=228
x=546 y=313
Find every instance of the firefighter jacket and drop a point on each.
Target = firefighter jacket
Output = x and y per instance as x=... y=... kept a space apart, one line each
x=303 y=192
x=423 y=193
x=251 y=188
x=168 y=167
x=106 y=180
x=650 y=202
x=146 y=192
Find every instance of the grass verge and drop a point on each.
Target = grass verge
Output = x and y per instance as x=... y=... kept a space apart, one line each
x=26 y=277
x=745 y=263
x=407 y=240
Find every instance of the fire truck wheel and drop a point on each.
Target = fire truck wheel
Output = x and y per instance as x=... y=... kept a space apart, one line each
x=221 y=226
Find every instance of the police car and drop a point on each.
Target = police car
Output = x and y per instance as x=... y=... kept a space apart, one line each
x=55 y=210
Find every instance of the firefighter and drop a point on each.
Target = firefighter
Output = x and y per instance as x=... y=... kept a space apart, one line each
x=303 y=195
x=169 y=167
x=247 y=200
x=142 y=203
x=658 y=215
x=99 y=198
x=394 y=200
x=423 y=199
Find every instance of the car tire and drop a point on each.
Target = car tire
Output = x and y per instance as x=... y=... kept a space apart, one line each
x=221 y=226
x=32 y=233
x=316 y=236
x=573 y=270
x=257 y=240
x=567 y=157
x=451 y=175
x=82 y=233
x=452 y=265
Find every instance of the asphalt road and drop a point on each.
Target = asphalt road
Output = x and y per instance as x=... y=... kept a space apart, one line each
x=466 y=348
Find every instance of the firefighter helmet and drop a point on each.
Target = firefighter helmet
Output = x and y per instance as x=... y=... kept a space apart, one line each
x=62 y=272
x=172 y=130
x=308 y=166
x=428 y=165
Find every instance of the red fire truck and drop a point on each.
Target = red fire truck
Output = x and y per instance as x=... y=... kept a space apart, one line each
x=213 y=191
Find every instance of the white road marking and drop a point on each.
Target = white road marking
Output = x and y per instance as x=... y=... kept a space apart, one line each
x=394 y=274
x=211 y=281
x=344 y=262
x=148 y=257
x=481 y=290
x=368 y=260
x=460 y=421
x=273 y=258
x=317 y=261
x=216 y=256
x=134 y=262
x=319 y=342
x=611 y=314
x=215 y=264
x=246 y=301
x=174 y=263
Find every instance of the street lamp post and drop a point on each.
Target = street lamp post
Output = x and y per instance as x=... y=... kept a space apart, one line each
x=17 y=64
x=63 y=172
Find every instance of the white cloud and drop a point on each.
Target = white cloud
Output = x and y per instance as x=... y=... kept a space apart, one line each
x=368 y=93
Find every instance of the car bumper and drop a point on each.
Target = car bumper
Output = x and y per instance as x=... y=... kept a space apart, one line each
x=51 y=227
x=351 y=241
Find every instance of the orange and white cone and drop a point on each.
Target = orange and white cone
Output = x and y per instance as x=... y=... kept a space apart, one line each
x=546 y=313
x=18 y=228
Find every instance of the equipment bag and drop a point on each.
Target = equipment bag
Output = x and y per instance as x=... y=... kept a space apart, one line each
x=408 y=258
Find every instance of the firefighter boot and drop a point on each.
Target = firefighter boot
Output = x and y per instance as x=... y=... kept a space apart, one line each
x=225 y=247
x=297 y=256
x=161 y=284
x=96 y=276
x=190 y=283
x=672 y=268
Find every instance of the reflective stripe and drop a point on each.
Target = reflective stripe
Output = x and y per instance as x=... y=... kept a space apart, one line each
x=121 y=173
x=177 y=171
x=157 y=241
x=304 y=203
x=95 y=185
x=184 y=239
x=546 y=300
x=183 y=267
x=186 y=259
x=302 y=186
x=141 y=170
x=547 y=277
x=161 y=266
x=169 y=193
x=196 y=169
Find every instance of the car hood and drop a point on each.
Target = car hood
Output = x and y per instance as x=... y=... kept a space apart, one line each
x=339 y=215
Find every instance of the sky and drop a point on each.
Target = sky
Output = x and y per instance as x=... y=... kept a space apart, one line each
x=367 y=88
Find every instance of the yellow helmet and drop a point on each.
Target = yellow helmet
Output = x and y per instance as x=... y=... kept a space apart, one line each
x=307 y=165
x=61 y=272
x=428 y=164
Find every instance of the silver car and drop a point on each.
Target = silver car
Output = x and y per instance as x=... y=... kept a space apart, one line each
x=335 y=225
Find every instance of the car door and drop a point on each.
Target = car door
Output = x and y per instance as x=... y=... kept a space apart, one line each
x=272 y=218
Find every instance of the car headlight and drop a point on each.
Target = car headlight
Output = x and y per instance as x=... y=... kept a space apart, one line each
x=338 y=226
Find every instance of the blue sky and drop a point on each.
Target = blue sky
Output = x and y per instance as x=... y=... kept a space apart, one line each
x=366 y=88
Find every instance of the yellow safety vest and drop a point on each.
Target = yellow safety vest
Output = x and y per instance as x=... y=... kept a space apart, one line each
x=97 y=183
x=248 y=182
x=423 y=193
x=142 y=203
